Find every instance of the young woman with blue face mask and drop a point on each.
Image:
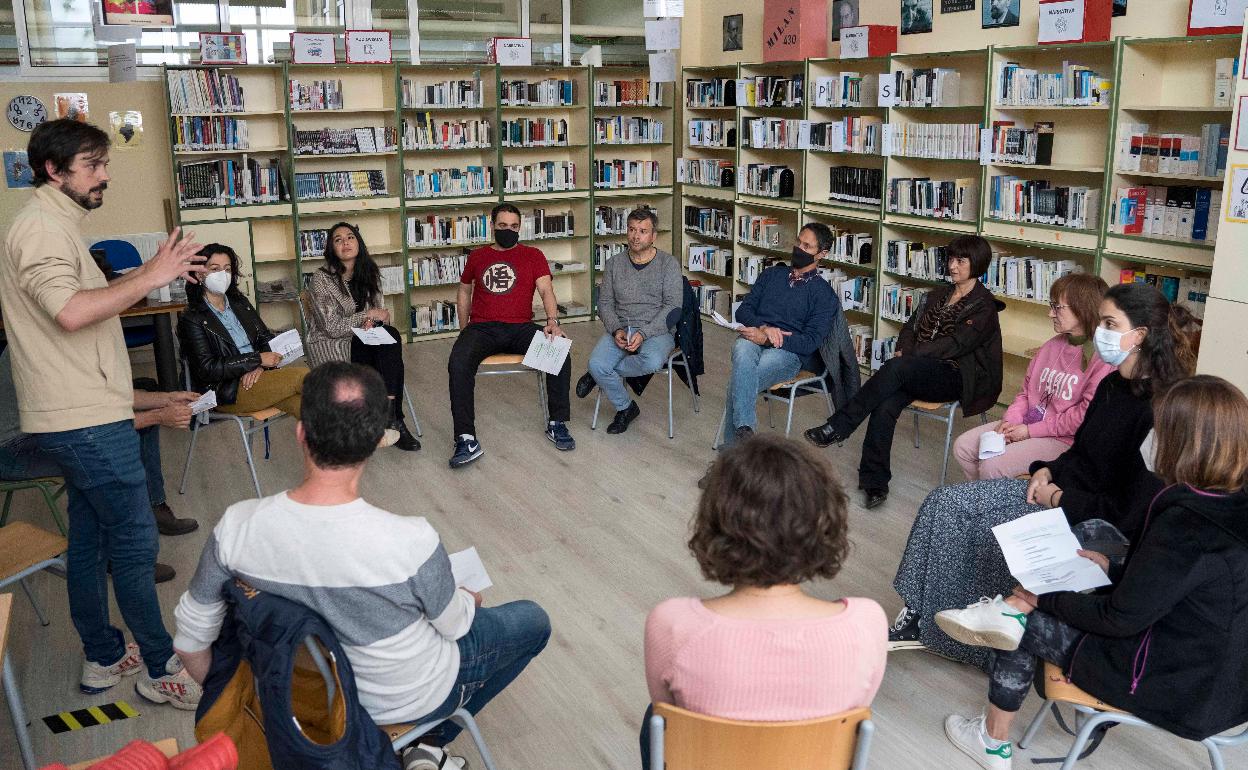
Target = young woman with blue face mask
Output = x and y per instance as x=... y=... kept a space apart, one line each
x=1100 y=482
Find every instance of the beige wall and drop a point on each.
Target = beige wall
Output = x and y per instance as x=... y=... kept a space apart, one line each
x=141 y=176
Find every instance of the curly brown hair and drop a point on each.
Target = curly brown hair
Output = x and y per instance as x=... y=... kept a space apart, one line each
x=773 y=513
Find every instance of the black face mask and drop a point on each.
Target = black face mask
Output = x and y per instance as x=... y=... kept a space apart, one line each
x=506 y=238
x=801 y=259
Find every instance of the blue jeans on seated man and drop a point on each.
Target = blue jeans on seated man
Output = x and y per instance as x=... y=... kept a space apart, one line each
x=609 y=365
x=22 y=460
x=754 y=369
x=500 y=643
x=110 y=521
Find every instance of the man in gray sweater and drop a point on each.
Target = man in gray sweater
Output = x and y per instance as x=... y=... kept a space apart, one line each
x=639 y=303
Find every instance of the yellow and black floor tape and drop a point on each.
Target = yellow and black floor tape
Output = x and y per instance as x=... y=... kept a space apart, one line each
x=89 y=717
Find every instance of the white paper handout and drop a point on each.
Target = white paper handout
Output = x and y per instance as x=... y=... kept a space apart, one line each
x=469 y=571
x=204 y=403
x=1041 y=552
x=991 y=444
x=662 y=34
x=374 y=336
x=288 y=345
x=724 y=322
x=547 y=354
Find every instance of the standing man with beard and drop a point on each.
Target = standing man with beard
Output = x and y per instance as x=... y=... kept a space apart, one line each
x=75 y=396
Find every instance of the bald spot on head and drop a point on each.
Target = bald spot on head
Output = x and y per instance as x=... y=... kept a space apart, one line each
x=349 y=393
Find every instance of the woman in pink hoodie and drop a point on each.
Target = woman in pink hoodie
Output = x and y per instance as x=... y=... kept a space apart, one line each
x=1041 y=422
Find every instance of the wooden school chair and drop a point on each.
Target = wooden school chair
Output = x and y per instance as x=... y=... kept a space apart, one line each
x=513 y=363
x=785 y=392
x=51 y=487
x=943 y=413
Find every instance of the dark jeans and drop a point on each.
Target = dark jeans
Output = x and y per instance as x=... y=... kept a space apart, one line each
x=110 y=521
x=883 y=397
x=480 y=340
x=386 y=359
x=495 y=650
x=21 y=459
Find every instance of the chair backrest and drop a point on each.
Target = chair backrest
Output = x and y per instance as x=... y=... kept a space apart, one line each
x=699 y=742
x=305 y=309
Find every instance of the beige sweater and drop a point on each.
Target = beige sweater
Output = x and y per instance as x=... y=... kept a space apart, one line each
x=65 y=380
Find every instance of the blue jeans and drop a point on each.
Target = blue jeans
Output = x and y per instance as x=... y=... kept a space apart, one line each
x=495 y=650
x=110 y=521
x=21 y=459
x=609 y=365
x=754 y=369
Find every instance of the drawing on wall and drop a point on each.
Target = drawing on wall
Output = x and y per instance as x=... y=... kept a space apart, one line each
x=1001 y=13
x=17 y=171
x=732 y=32
x=916 y=16
x=844 y=15
x=125 y=128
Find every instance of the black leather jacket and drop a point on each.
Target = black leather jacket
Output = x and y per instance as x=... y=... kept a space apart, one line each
x=213 y=358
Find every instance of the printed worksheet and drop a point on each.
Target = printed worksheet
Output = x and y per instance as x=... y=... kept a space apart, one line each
x=1041 y=552
x=547 y=354
x=375 y=336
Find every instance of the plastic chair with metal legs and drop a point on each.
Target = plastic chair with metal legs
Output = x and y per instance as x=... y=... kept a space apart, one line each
x=675 y=358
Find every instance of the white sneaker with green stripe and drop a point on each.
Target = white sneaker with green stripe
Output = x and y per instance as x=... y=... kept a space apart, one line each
x=971 y=739
x=986 y=623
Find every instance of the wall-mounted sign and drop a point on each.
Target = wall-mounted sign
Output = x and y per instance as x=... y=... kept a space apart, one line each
x=368 y=46
x=222 y=48
x=139 y=13
x=312 y=48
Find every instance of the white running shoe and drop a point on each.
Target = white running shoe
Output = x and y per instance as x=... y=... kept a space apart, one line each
x=986 y=623
x=96 y=678
x=968 y=735
x=424 y=757
x=176 y=687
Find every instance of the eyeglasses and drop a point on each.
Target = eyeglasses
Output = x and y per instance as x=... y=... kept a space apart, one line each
x=1056 y=307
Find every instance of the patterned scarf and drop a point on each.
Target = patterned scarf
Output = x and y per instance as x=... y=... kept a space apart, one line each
x=938 y=321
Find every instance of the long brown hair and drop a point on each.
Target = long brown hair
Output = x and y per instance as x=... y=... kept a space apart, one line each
x=1201 y=426
x=1168 y=352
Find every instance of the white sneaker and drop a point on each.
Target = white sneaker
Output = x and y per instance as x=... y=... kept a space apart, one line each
x=176 y=687
x=423 y=757
x=96 y=678
x=968 y=736
x=986 y=623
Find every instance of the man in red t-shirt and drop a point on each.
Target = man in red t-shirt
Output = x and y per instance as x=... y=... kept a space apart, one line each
x=495 y=304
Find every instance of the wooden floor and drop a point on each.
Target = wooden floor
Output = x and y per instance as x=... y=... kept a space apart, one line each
x=597 y=536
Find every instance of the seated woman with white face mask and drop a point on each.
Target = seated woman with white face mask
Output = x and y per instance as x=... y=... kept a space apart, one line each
x=226 y=343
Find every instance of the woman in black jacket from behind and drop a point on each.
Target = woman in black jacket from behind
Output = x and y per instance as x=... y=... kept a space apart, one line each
x=226 y=343
x=1169 y=642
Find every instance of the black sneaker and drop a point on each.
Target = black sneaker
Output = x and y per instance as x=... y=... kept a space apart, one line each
x=467 y=450
x=585 y=385
x=875 y=498
x=904 y=633
x=824 y=435
x=623 y=418
x=558 y=433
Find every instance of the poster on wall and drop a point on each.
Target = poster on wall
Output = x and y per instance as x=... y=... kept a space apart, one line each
x=916 y=16
x=312 y=48
x=732 y=32
x=125 y=128
x=222 y=48
x=844 y=16
x=139 y=13
x=72 y=106
x=1237 y=203
x=17 y=171
x=956 y=6
x=1120 y=7
x=1216 y=17
x=1001 y=13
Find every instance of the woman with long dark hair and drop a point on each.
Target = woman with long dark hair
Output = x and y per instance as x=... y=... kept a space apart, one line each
x=345 y=295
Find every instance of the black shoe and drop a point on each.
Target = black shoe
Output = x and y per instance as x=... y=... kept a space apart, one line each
x=743 y=432
x=876 y=498
x=168 y=524
x=407 y=442
x=585 y=385
x=164 y=573
x=824 y=435
x=466 y=451
x=623 y=418
x=904 y=634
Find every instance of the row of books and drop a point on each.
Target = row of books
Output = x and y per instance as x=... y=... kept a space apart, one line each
x=749 y=267
x=542 y=176
x=540 y=224
x=1190 y=291
x=710 y=92
x=710 y=173
x=851 y=247
x=448 y=182
x=713 y=298
x=916 y=259
x=534 y=132
x=346 y=141
x=1075 y=86
x=712 y=133
x=1140 y=149
x=881 y=351
x=613 y=220
x=767 y=180
x=771 y=91
x=936 y=198
x=423 y=132
x=861 y=336
x=316 y=95
x=708 y=221
x=1014 y=144
x=777 y=133
x=327 y=185
x=1039 y=201
x=927 y=87
x=203 y=133
x=638 y=92
x=763 y=231
x=210 y=90
x=444 y=230
x=392 y=279
x=845 y=89
x=440 y=315
x=1026 y=277
x=230 y=182
x=550 y=92
x=620 y=172
x=898 y=303
x=619 y=129
x=1224 y=73
x=950 y=141
x=1190 y=213
x=860 y=134
x=605 y=251
x=312 y=243
x=855 y=292
x=701 y=258
x=851 y=184
x=461 y=94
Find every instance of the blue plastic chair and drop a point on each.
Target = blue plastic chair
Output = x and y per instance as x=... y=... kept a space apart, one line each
x=123 y=255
